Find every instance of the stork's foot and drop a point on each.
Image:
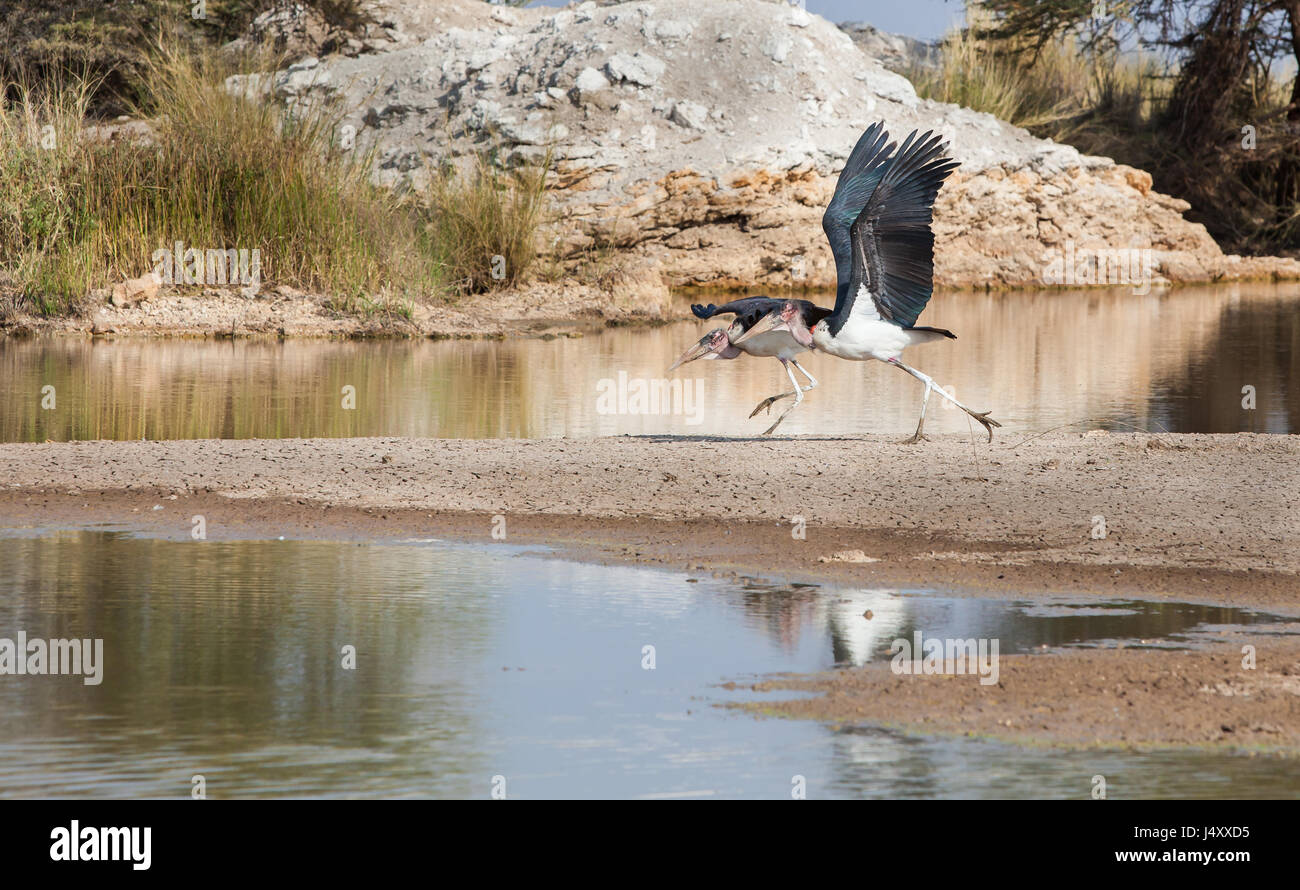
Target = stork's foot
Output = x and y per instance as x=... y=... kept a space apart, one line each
x=765 y=405
x=768 y=431
x=989 y=422
x=916 y=439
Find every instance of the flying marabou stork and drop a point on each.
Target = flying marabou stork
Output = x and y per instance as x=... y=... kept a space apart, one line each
x=878 y=224
x=721 y=343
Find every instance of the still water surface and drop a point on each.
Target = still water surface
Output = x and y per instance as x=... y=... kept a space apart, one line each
x=222 y=659
x=1176 y=360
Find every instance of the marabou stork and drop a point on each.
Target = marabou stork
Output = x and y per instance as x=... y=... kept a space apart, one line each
x=878 y=224
x=721 y=343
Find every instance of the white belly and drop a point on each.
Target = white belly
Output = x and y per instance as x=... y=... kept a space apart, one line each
x=866 y=337
x=773 y=344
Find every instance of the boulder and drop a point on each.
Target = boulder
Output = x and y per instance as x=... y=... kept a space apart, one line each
x=135 y=290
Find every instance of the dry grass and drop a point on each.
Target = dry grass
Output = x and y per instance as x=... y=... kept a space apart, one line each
x=1118 y=105
x=485 y=222
x=1059 y=91
x=222 y=171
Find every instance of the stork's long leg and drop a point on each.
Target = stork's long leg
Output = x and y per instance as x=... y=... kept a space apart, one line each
x=918 y=436
x=983 y=417
x=798 y=397
x=768 y=402
x=812 y=381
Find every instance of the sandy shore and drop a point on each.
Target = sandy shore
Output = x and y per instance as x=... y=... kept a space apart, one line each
x=1188 y=517
x=1225 y=503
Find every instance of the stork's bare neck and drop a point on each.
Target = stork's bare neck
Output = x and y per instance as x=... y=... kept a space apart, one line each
x=789 y=319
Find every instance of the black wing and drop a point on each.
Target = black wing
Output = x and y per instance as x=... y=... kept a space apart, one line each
x=892 y=246
x=858 y=179
x=749 y=310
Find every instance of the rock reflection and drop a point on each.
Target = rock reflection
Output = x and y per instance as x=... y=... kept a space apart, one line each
x=1175 y=359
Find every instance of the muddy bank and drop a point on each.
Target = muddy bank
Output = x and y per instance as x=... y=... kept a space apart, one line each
x=1171 y=504
x=717 y=547
x=1117 y=697
x=630 y=294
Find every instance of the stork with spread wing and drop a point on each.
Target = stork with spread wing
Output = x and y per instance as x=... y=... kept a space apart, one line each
x=878 y=224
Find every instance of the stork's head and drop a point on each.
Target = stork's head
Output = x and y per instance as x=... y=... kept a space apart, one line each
x=789 y=318
x=715 y=344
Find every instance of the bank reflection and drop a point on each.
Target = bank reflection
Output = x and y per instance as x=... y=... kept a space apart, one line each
x=1175 y=359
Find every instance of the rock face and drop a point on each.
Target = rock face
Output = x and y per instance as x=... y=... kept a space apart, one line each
x=706 y=137
x=895 y=51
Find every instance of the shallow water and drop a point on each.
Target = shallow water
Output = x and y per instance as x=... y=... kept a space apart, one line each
x=223 y=659
x=1177 y=360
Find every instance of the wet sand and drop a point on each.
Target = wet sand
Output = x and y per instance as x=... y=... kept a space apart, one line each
x=1080 y=698
x=1208 y=518
x=1225 y=503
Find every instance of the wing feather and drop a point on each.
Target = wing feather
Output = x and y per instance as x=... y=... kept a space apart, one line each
x=858 y=180
x=891 y=245
x=751 y=309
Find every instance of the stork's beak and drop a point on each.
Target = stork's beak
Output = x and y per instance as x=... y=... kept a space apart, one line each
x=699 y=350
x=770 y=322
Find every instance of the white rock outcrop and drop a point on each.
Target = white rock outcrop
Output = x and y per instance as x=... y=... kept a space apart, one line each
x=706 y=137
